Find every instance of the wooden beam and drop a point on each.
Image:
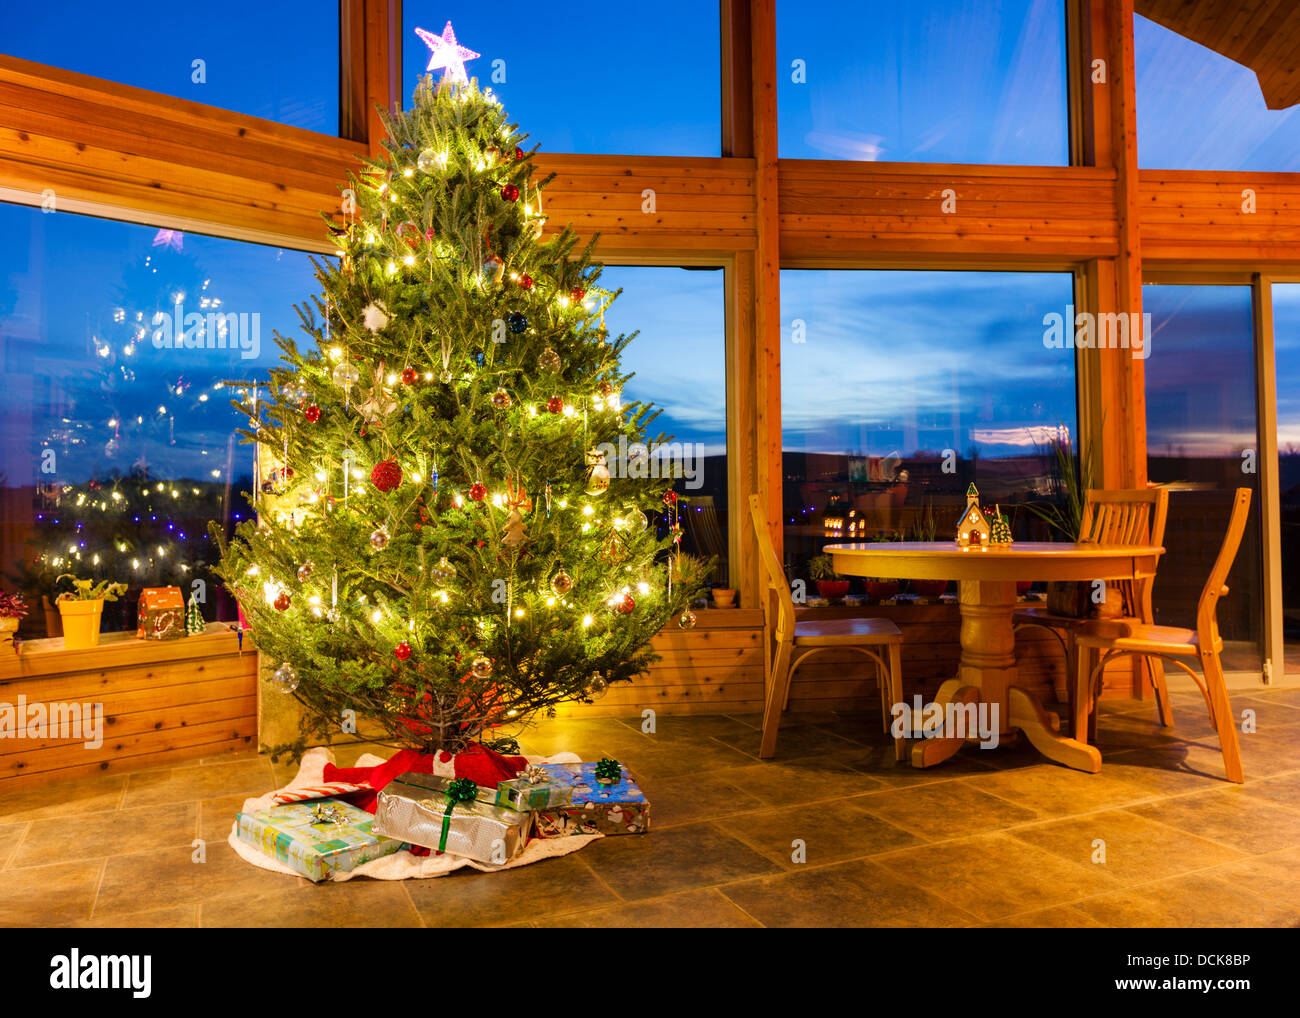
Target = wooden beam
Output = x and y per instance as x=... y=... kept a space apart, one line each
x=767 y=271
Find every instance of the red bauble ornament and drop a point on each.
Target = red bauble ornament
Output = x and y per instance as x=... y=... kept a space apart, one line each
x=626 y=606
x=282 y=602
x=555 y=405
x=477 y=492
x=519 y=153
x=402 y=651
x=410 y=376
x=577 y=293
x=386 y=475
x=670 y=497
x=312 y=413
x=526 y=282
x=510 y=193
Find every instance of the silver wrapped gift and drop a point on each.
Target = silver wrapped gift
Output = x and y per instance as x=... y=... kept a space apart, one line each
x=412 y=810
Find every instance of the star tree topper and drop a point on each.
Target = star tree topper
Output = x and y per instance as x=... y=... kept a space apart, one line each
x=446 y=52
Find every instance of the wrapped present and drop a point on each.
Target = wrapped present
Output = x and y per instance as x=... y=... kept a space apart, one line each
x=316 y=838
x=424 y=810
x=161 y=615
x=533 y=789
x=605 y=799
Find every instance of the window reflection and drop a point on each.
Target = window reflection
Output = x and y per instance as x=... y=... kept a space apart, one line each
x=678 y=363
x=956 y=81
x=1286 y=349
x=277 y=61
x=1198 y=110
x=119 y=439
x=1201 y=442
x=900 y=389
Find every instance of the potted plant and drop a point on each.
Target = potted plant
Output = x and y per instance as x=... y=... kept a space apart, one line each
x=12 y=610
x=82 y=608
x=926 y=528
x=724 y=597
x=829 y=585
x=1068 y=597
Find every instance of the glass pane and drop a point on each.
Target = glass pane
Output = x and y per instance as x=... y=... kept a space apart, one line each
x=278 y=61
x=1202 y=442
x=679 y=364
x=1286 y=349
x=119 y=451
x=900 y=389
x=951 y=81
x=634 y=81
x=1198 y=110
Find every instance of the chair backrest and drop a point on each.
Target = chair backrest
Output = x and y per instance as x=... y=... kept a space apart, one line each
x=1207 y=623
x=782 y=625
x=1133 y=516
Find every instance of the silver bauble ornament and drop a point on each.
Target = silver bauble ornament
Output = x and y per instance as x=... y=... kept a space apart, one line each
x=379 y=538
x=305 y=571
x=481 y=667
x=285 y=678
x=345 y=374
x=686 y=619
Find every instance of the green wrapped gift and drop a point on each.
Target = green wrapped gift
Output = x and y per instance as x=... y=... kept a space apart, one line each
x=316 y=838
x=533 y=789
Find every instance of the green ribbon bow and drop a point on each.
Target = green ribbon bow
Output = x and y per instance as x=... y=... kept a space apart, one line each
x=460 y=790
x=608 y=771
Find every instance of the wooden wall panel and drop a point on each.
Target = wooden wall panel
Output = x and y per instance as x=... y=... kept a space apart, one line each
x=1199 y=219
x=843 y=213
x=161 y=702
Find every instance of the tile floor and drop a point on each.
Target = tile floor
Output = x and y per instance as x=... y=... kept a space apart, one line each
x=990 y=838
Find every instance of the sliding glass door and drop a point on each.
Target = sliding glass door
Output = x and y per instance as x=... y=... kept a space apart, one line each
x=1203 y=443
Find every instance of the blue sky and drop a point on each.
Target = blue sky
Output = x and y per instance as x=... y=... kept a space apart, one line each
x=888 y=355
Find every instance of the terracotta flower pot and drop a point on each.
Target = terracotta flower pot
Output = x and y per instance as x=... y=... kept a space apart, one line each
x=81 y=623
x=881 y=589
x=832 y=590
x=724 y=597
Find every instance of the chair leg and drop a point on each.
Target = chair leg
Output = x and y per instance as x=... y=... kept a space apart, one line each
x=1163 y=706
x=1080 y=693
x=1224 y=721
x=777 y=693
x=896 y=695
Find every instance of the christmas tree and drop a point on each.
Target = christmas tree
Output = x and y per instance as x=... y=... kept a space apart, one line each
x=441 y=545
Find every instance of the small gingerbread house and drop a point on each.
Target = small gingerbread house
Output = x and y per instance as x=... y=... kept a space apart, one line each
x=975 y=528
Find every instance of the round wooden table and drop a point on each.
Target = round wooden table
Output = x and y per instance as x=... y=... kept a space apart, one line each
x=987 y=578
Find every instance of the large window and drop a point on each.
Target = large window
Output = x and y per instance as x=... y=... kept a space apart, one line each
x=900 y=389
x=1202 y=441
x=119 y=446
x=1198 y=110
x=279 y=61
x=678 y=363
x=622 y=79
x=1286 y=349
x=951 y=81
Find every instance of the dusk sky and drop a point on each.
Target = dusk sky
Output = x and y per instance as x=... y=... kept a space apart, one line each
x=890 y=357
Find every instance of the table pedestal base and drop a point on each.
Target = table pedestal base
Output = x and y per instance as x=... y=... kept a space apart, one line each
x=987 y=674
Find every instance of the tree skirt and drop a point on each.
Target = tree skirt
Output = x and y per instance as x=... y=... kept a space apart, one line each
x=400 y=865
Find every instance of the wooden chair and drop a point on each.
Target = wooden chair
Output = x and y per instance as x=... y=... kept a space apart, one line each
x=789 y=644
x=1102 y=640
x=1134 y=517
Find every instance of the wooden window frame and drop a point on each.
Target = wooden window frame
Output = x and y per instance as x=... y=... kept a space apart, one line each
x=119 y=152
